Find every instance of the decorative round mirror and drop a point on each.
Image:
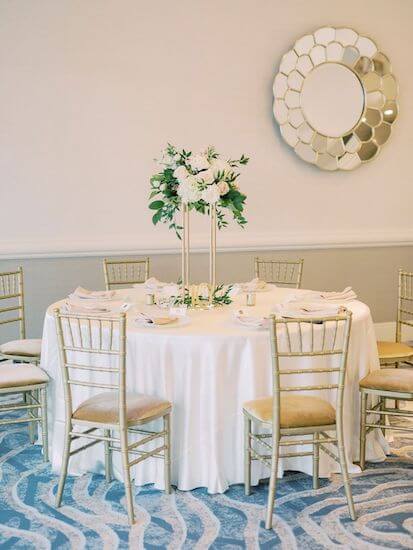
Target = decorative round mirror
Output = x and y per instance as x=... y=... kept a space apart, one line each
x=335 y=98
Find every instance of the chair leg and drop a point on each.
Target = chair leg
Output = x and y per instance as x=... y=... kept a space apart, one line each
x=382 y=416
x=316 y=461
x=363 y=407
x=45 y=439
x=344 y=469
x=32 y=425
x=396 y=402
x=65 y=463
x=167 y=453
x=273 y=480
x=247 y=455
x=108 y=458
x=126 y=474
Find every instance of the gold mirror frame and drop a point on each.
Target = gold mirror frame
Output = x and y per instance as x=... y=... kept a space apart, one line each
x=358 y=53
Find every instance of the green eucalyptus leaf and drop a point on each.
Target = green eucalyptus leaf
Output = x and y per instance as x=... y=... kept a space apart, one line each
x=157 y=217
x=156 y=205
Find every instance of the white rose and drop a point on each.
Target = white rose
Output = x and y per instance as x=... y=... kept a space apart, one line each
x=181 y=173
x=199 y=161
x=211 y=194
x=188 y=190
x=207 y=176
x=223 y=188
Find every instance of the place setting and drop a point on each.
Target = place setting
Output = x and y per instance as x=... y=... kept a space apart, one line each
x=298 y=306
x=85 y=301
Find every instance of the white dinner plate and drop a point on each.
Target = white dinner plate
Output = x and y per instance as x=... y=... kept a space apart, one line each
x=180 y=322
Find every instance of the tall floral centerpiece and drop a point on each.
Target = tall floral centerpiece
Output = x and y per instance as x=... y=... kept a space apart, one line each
x=203 y=182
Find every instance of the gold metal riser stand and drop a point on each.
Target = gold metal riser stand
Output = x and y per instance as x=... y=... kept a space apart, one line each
x=185 y=259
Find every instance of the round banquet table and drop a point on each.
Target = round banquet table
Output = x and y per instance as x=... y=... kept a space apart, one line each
x=208 y=368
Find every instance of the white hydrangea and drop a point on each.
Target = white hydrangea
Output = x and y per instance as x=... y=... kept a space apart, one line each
x=211 y=194
x=181 y=173
x=188 y=190
x=199 y=161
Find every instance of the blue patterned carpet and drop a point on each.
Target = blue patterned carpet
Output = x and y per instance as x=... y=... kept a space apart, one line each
x=94 y=513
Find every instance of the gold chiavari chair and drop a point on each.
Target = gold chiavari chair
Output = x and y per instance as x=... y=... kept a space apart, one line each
x=290 y=414
x=393 y=353
x=12 y=311
x=31 y=382
x=286 y=273
x=123 y=273
x=97 y=345
x=384 y=384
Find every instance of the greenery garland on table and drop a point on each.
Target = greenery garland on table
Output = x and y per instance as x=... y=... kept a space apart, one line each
x=220 y=297
x=199 y=180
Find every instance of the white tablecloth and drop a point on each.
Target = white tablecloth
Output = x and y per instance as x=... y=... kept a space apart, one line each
x=208 y=369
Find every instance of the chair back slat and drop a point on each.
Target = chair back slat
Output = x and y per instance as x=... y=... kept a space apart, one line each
x=124 y=273
x=12 y=299
x=91 y=368
x=311 y=388
x=405 y=303
x=312 y=338
x=96 y=344
x=287 y=273
x=100 y=385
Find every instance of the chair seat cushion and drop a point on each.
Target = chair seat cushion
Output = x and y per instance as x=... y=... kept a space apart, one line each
x=26 y=348
x=296 y=411
x=397 y=380
x=394 y=350
x=13 y=375
x=104 y=407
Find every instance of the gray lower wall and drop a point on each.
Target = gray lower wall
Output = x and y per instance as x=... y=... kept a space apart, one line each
x=372 y=272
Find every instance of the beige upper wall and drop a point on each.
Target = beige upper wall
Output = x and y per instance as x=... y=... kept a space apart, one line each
x=90 y=92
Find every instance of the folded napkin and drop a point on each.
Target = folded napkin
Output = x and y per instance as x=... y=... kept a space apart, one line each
x=312 y=295
x=253 y=286
x=84 y=294
x=145 y=319
x=152 y=284
x=345 y=295
x=77 y=305
x=307 y=309
x=250 y=320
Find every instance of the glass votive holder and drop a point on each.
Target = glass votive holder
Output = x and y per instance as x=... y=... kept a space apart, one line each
x=163 y=301
x=150 y=299
x=251 y=298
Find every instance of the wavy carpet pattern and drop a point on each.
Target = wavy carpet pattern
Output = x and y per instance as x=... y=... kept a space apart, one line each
x=94 y=512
